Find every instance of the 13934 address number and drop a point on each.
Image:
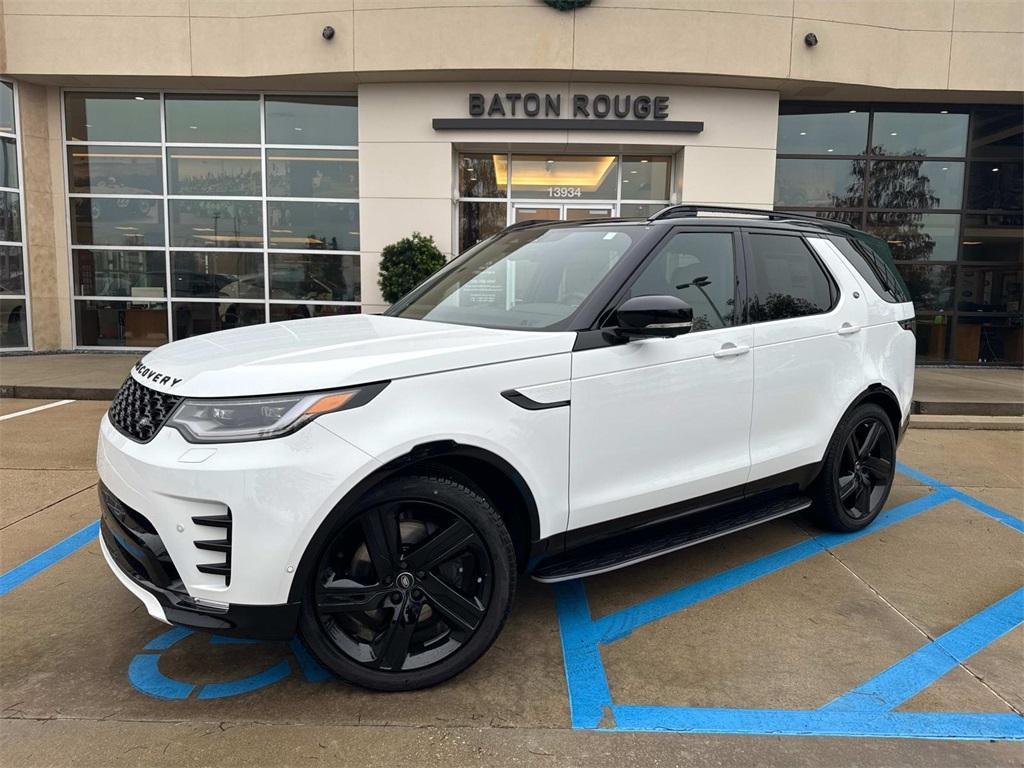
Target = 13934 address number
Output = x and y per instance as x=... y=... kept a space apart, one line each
x=565 y=192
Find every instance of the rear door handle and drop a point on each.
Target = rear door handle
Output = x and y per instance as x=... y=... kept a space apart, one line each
x=731 y=350
x=847 y=328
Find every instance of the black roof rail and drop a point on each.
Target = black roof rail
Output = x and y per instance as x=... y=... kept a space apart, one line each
x=524 y=224
x=686 y=211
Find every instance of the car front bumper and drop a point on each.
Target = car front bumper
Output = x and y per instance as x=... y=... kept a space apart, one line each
x=211 y=536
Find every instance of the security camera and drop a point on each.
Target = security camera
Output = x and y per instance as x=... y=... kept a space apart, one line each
x=810 y=39
x=328 y=33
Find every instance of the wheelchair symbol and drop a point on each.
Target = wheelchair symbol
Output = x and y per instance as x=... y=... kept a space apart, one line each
x=145 y=676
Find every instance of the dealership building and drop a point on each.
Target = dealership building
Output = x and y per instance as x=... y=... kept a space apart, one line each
x=174 y=167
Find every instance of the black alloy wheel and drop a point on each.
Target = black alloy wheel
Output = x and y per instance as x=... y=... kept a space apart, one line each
x=412 y=587
x=865 y=470
x=858 y=470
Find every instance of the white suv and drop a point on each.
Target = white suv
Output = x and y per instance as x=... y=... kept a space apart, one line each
x=563 y=399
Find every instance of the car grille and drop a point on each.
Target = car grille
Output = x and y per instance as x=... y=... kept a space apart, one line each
x=139 y=411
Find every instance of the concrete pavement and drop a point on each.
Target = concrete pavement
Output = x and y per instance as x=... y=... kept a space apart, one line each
x=78 y=653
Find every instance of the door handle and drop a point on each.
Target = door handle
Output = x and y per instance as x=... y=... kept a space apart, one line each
x=847 y=328
x=731 y=350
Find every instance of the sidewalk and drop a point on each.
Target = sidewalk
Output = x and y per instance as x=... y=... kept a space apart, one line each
x=938 y=392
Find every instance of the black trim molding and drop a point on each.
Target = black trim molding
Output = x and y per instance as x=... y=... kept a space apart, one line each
x=565 y=124
x=518 y=398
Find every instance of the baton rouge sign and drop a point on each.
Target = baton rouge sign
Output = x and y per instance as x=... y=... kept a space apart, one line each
x=600 y=106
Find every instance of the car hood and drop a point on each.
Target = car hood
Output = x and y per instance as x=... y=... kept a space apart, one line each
x=329 y=352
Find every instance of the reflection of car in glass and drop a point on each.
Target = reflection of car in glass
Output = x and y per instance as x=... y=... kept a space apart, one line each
x=287 y=283
x=381 y=482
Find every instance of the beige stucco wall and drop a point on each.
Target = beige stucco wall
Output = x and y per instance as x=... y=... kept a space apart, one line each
x=970 y=45
x=406 y=167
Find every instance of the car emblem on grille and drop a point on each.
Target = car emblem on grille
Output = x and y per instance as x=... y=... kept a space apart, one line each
x=145 y=421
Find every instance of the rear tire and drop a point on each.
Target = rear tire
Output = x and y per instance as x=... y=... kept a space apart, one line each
x=413 y=587
x=858 y=470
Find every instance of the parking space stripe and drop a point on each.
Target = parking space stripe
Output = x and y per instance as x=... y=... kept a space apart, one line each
x=911 y=675
x=617 y=625
x=901 y=725
x=986 y=509
x=22 y=573
x=38 y=408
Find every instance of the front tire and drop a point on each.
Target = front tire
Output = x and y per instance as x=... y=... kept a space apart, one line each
x=413 y=587
x=858 y=471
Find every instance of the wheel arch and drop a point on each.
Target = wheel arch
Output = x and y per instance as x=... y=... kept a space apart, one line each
x=492 y=474
x=885 y=398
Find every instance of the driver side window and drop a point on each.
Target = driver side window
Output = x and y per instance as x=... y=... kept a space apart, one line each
x=700 y=269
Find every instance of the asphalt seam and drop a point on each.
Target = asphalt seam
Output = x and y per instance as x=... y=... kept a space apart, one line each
x=48 y=506
x=921 y=629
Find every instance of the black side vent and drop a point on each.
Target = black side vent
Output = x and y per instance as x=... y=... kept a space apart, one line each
x=223 y=545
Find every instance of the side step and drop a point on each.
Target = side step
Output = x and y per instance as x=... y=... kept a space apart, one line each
x=651 y=541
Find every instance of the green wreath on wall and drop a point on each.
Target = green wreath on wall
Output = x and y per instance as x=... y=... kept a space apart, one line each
x=567 y=5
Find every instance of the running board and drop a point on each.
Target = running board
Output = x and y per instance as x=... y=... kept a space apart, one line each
x=660 y=539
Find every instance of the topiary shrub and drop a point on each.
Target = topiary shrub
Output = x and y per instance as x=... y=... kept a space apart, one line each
x=406 y=264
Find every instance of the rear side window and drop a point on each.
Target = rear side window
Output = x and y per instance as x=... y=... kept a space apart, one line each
x=875 y=267
x=786 y=280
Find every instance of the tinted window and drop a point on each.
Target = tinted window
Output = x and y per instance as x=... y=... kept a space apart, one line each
x=877 y=271
x=838 y=131
x=698 y=267
x=785 y=279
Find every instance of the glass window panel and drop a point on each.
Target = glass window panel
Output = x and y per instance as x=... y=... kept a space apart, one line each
x=112 y=116
x=990 y=288
x=831 y=131
x=216 y=223
x=138 y=274
x=998 y=237
x=109 y=323
x=645 y=178
x=214 y=171
x=640 y=210
x=988 y=340
x=213 y=118
x=560 y=177
x=312 y=120
x=309 y=277
x=931 y=286
x=13 y=323
x=786 y=280
x=209 y=274
x=123 y=221
x=932 y=335
x=194 y=318
x=819 y=183
x=7 y=107
x=998 y=133
x=313 y=226
x=478 y=176
x=10 y=217
x=917 y=236
x=8 y=163
x=478 y=221
x=996 y=185
x=312 y=173
x=117 y=170
x=916 y=184
x=279 y=312
x=698 y=268
x=12 y=270
x=920 y=133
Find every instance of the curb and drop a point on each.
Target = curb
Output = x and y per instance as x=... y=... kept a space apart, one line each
x=947 y=408
x=30 y=392
x=996 y=423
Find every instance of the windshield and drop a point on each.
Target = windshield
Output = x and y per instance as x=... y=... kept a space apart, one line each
x=530 y=278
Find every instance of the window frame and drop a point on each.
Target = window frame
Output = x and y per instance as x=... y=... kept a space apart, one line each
x=168 y=250
x=835 y=292
x=26 y=294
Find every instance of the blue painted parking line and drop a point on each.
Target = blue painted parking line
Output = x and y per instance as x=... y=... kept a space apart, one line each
x=18 y=575
x=866 y=711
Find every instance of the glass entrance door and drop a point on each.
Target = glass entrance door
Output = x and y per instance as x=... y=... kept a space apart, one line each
x=559 y=212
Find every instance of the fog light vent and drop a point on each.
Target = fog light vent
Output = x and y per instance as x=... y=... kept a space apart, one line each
x=216 y=545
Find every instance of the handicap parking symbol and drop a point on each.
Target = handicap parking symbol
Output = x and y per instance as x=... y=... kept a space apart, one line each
x=145 y=676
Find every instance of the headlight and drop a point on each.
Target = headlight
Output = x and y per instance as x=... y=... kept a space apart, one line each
x=261 y=418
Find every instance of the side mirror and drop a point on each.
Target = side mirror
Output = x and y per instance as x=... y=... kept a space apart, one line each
x=644 y=317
